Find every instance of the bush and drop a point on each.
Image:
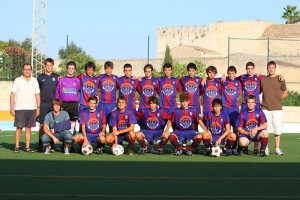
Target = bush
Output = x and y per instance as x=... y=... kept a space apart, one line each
x=293 y=99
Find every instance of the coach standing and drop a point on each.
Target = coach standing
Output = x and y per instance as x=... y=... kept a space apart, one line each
x=274 y=91
x=25 y=105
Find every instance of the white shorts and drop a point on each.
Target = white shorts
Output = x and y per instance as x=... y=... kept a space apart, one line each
x=274 y=119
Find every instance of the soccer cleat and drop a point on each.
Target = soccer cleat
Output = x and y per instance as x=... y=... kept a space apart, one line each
x=245 y=150
x=178 y=152
x=208 y=152
x=52 y=149
x=267 y=151
x=39 y=149
x=255 y=152
x=99 y=150
x=263 y=154
x=234 y=152
x=66 y=150
x=189 y=153
x=227 y=152
x=72 y=150
x=130 y=152
x=240 y=153
x=160 y=151
x=48 y=150
x=196 y=151
x=151 y=149
x=278 y=151
x=142 y=151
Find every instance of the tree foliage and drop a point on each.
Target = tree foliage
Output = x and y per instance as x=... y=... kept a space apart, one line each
x=293 y=99
x=168 y=57
x=291 y=15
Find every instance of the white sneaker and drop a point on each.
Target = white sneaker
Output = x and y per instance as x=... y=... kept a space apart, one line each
x=267 y=151
x=278 y=151
x=67 y=152
x=48 y=150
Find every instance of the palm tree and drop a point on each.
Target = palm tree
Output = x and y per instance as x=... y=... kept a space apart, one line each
x=291 y=14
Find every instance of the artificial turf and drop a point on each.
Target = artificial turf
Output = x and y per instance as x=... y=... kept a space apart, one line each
x=149 y=176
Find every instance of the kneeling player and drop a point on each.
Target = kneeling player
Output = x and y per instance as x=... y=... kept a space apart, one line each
x=122 y=122
x=252 y=126
x=217 y=130
x=154 y=120
x=183 y=121
x=93 y=124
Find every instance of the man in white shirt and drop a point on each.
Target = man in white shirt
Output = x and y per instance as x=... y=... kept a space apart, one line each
x=25 y=105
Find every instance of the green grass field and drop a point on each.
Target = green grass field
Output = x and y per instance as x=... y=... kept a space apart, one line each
x=59 y=176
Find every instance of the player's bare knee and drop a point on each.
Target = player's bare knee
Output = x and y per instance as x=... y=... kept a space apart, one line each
x=243 y=142
x=109 y=139
x=77 y=138
x=231 y=136
x=264 y=134
x=206 y=135
x=139 y=135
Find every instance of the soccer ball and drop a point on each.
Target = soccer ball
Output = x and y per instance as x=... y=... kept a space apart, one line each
x=87 y=149
x=216 y=151
x=118 y=150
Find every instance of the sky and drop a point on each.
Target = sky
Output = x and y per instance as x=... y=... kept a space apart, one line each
x=119 y=29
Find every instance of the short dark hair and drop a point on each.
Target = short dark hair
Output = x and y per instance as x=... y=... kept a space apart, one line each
x=191 y=66
x=108 y=64
x=184 y=96
x=127 y=65
x=231 y=69
x=153 y=99
x=93 y=98
x=50 y=60
x=211 y=68
x=216 y=102
x=71 y=63
x=250 y=97
x=122 y=98
x=250 y=64
x=26 y=64
x=90 y=65
x=167 y=65
x=148 y=66
x=271 y=63
x=56 y=102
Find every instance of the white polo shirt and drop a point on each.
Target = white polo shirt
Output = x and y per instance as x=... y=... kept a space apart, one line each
x=25 y=91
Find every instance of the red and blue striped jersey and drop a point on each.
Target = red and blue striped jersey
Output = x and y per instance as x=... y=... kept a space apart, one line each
x=192 y=85
x=211 y=91
x=153 y=120
x=122 y=120
x=146 y=88
x=216 y=124
x=251 y=86
x=167 y=90
x=88 y=88
x=184 y=119
x=231 y=90
x=93 y=121
x=108 y=88
x=250 y=120
x=127 y=88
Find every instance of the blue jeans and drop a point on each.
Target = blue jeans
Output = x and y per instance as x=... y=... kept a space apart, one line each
x=65 y=136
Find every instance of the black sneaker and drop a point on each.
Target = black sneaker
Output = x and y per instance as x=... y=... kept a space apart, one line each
x=196 y=151
x=160 y=151
x=240 y=153
x=208 y=152
x=99 y=151
x=72 y=150
x=39 y=149
x=256 y=152
x=142 y=151
x=263 y=154
x=178 y=152
x=189 y=153
x=245 y=150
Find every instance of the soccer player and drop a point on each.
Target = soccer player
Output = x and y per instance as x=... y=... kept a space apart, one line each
x=274 y=91
x=154 y=119
x=231 y=90
x=211 y=90
x=217 y=131
x=52 y=118
x=252 y=125
x=25 y=106
x=47 y=83
x=122 y=122
x=68 y=92
x=93 y=124
x=167 y=89
x=183 y=121
x=127 y=87
x=108 y=87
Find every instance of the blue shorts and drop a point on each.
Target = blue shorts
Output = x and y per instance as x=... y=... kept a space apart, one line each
x=233 y=114
x=244 y=106
x=92 y=138
x=255 y=138
x=81 y=108
x=122 y=137
x=185 y=135
x=216 y=137
x=107 y=109
x=149 y=134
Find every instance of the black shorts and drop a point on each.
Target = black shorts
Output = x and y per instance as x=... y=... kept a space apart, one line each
x=25 y=118
x=44 y=110
x=72 y=109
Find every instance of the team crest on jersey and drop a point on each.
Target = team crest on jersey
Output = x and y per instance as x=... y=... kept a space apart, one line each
x=88 y=87
x=191 y=113
x=98 y=115
x=190 y=86
x=211 y=91
x=173 y=82
x=216 y=128
x=158 y=114
x=153 y=83
x=122 y=125
x=132 y=82
x=230 y=90
x=197 y=80
x=152 y=122
x=251 y=124
x=257 y=115
x=236 y=84
x=250 y=85
x=74 y=84
x=148 y=90
x=185 y=121
x=255 y=79
x=168 y=89
x=95 y=81
x=126 y=88
x=93 y=124
x=108 y=85
x=221 y=120
x=53 y=79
